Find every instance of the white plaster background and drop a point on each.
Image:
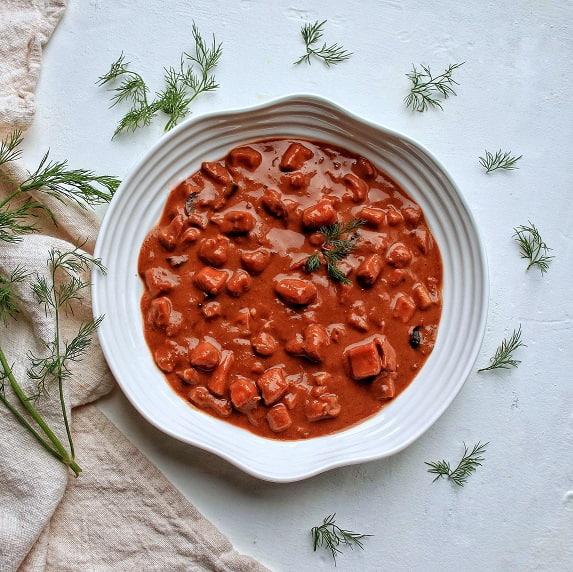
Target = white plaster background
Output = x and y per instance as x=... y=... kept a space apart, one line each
x=514 y=93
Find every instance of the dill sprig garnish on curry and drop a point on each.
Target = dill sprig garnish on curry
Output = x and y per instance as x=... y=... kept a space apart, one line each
x=291 y=288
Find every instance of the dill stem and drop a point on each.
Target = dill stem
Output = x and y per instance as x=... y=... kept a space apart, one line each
x=25 y=423
x=10 y=197
x=59 y=451
x=59 y=375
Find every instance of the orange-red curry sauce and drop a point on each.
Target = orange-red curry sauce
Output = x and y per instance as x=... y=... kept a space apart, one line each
x=240 y=326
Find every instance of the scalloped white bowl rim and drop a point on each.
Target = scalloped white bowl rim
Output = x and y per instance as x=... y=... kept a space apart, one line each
x=136 y=207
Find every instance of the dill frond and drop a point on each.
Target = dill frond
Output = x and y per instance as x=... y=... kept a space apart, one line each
x=340 y=241
x=501 y=160
x=182 y=86
x=81 y=186
x=332 y=537
x=503 y=357
x=8 y=306
x=428 y=90
x=330 y=55
x=469 y=462
x=533 y=247
x=10 y=148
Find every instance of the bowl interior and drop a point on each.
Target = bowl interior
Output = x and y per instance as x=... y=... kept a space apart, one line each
x=136 y=208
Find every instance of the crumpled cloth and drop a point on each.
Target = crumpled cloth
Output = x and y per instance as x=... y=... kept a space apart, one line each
x=121 y=513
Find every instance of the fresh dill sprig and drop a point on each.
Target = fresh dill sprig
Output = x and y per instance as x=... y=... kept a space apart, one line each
x=503 y=357
x=132 y=87
x=79 y=185
x=8 y=307
x=54 y=366
x=428 y=90
x=17 y=221
x=333 y=54
x=182 y=86
x=332 y=537
x=339 y=241
x=469 y=462
x=56 y=293
x=533 y=247
x=10 y=148
x=53 y=178
x=501 y=160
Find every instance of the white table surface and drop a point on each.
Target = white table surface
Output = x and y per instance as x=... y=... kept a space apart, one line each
x=514 y=93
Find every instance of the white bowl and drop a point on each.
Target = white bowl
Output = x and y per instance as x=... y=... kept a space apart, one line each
x=136 y=208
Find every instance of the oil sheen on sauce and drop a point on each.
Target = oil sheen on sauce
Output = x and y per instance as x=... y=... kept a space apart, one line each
x=290 y=288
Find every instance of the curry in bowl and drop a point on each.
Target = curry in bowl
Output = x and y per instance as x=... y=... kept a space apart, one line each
x=291 y=288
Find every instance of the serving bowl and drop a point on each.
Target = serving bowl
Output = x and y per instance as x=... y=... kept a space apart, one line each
x=136 y=208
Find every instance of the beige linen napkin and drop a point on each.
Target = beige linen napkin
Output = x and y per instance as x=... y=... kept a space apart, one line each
x=121 y=513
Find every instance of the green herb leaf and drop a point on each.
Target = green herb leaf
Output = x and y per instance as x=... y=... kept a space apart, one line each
x=10 y=148
x=428 y=90
x=52 y=178
x=182 y=86
x=503 y=357
x=333 y=54
x=8 y=305
x=84 y=188
x=330 y=536
x=340 y=241
x=533 y=247
x=469 y=462
x=501 y=160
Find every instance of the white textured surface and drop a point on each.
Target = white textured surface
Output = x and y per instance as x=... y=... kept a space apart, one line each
x=516 y=512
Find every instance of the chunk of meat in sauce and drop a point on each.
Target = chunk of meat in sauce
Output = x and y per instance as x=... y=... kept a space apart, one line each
x=383 y=387
x=393 y=216
x=160 y=280
x=358 y=188
x=399 y=255
x=235 y=222
x=273 y=385
x=369 y=358
x=219 y=379
x=364 y=169
x=170 y=356
x=421 y=296
x=190 y=235
x=244 y=394
x=318 y=215
x=161 y=314
x=272 y=202
x=214 y=251
x=169 y=235
x=265 y=344
x=210 y=280
x=296 y=291
x=204 y=399
x=246 y=157
x=256 y=261
x=372 y=216
x=369 y=269
x=278 y=418
x=216 y=172
x=239 y=283
x=316 y=341
x=295 y=157
x=324 y=407
x=403 y=308
x=412 y=215
x=205 y=355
